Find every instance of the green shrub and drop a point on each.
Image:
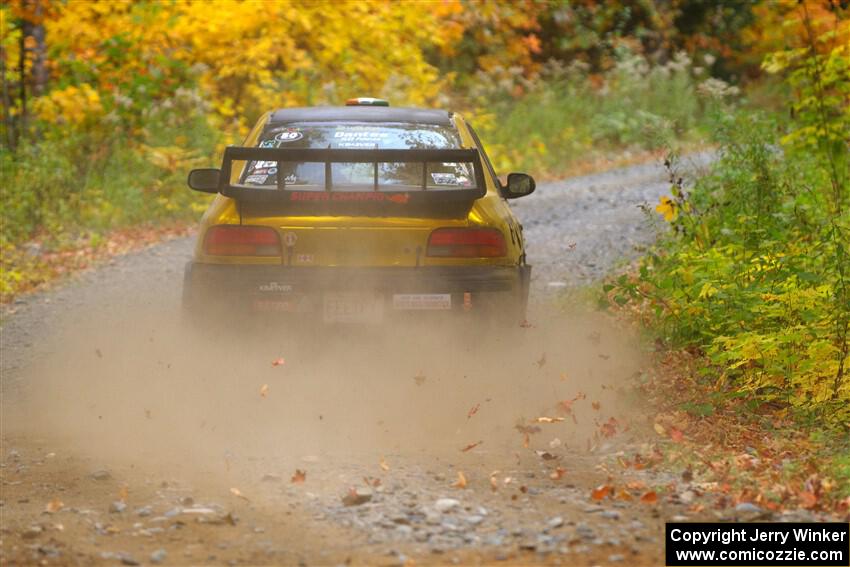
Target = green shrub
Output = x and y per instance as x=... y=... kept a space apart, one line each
x=753 y=272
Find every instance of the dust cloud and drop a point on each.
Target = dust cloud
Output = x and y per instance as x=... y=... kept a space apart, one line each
x=139 y=386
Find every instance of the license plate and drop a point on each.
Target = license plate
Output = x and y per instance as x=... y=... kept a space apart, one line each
x=422 y=301
x=352 y=307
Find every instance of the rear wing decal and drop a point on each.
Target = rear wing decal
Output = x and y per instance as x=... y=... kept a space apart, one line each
x=422 y=195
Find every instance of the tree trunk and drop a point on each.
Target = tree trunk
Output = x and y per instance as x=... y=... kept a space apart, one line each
x=26 y=28
x=39 y=60
x=7 y=103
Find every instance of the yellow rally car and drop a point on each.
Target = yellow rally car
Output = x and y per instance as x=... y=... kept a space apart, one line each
x=359 y=213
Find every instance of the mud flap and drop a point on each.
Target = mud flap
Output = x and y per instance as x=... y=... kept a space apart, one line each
x=524 y=289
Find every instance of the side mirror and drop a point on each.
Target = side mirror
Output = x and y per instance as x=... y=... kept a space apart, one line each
x=204 y=180
x=519 y=185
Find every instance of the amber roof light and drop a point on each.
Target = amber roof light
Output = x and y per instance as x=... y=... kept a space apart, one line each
x=366 y=101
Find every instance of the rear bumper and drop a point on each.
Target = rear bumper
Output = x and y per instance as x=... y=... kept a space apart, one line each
x=213 y=286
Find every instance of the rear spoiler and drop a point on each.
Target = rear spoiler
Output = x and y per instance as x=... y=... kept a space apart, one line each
x=379 y=200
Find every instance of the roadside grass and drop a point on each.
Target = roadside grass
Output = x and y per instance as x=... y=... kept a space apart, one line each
x=75 y=196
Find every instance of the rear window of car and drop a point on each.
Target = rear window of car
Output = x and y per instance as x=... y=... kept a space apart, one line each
x=360 y=176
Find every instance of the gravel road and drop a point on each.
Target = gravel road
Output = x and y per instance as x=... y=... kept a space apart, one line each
x=126 y=442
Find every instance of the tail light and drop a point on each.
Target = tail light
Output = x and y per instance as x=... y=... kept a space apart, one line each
x=237 y=240
x=467 y=243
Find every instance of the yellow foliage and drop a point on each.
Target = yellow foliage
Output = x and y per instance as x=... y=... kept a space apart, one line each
x=779 y=25
x=253 y=56
x=667 y=208
x=71 y=105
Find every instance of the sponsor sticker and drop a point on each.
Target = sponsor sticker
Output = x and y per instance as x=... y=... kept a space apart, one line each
x=289 y=238
x=288 y=136
x=256 y=179
x=359 y=136
x=324 y=196
x=304 y=258
x=276 y=287
x=444 y=178
x=422 y=301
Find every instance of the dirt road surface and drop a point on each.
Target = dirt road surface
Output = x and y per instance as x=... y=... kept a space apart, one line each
x=128 y=440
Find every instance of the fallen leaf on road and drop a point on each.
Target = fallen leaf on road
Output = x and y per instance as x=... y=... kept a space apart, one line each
x=609 y=428
x=494 y=484
x=541 y=361
x=54 y=506
x=807 y=499
x=461 y=480
x=525 y=324
x=650 y=497
x=278 y=362
x=624 y=495
x=659 y=429
x=557 y=473
x=264 y=390
x=419 y=379
x=372 y=481
x=471 y=446
x=123 y=493
x=356 y=497
x=236 y=492
x=383 y=464
x=527 y=429
x=298 y=477
x=596 y=405
x=549 y=419
x=546 y=455
x=473 y=411
x=676 y=435
x=554 y=443
x=526 y=440
x=563 y=376
x=601 y=491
